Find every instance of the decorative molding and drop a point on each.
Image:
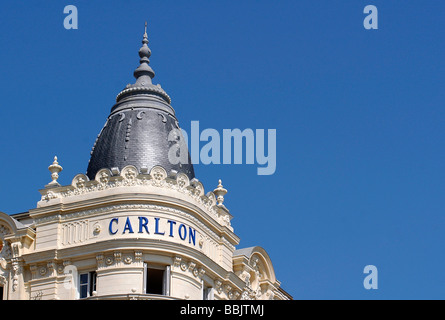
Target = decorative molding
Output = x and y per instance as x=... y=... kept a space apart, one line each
x=191 y=267
x=16 y=246
x=249 y=294
x=97 y=229
x=109 y=261
x=60 y=269
x=218 y=286
x=253 y=262
x=209 y=247
x=127 y=257
x=138 y=256
x=75 y=232
x=130 y=176
x=100 y=260
x=2 y=280
x=37 y=296
x=16 y=271
x=245 y=295
x=33 y=269
x=51 y=265
x=6 y=250
x=117 y=257
x=177 y=262
x=42 y=271
x=245 y=276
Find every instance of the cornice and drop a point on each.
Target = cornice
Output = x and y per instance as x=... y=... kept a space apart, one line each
x=128 y=183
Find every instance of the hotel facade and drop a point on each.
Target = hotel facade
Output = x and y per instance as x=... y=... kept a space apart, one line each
x=135 y=225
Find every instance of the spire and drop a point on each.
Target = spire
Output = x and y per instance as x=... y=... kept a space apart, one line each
x=144 y=73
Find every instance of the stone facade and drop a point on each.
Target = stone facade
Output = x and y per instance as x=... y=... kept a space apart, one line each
x=119 y=227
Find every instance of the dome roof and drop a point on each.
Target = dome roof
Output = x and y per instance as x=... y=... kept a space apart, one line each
x=138 y=127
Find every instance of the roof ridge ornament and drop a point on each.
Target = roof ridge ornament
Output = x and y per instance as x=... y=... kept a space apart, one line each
x=144 y=73
x=220 y=192
x=54 y=168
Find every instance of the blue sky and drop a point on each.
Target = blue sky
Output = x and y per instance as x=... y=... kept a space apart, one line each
x=359 y=117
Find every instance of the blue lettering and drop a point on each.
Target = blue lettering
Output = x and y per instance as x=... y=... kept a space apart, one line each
x=143 y=224
x=192 y=235
x=113 y=228
x=110 y=227
x=171 y=227
x=157 y=227
x=128 y=226
x=182 y=234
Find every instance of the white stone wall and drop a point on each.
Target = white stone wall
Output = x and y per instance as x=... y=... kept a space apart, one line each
x=115 y=226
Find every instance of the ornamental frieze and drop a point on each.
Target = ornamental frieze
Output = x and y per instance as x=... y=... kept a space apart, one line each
x=129 y=176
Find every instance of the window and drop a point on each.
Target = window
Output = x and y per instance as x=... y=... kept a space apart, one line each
x=1 y=293
x=87 y=284
x=157 y=280
x=207 y=292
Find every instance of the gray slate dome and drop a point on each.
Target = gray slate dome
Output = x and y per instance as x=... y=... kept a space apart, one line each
x=137 y=129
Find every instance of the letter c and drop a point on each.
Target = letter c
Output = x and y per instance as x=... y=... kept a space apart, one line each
x=110 y=228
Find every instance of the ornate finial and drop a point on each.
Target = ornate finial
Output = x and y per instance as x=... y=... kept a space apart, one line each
x=54 y=168
x=220 y=192
x=144 y=73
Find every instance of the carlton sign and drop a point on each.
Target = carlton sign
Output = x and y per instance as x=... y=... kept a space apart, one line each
x=155 y=226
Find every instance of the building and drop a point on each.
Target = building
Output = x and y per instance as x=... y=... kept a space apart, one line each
x=136 y=225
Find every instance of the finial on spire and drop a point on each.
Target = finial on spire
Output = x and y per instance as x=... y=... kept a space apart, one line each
x=54 y=168
x=144 y=73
